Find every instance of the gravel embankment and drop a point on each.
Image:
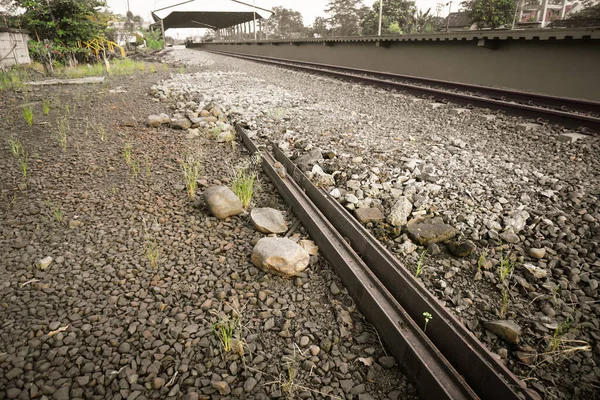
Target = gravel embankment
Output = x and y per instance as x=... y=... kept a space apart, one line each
x=520 y=199
x=106 y=319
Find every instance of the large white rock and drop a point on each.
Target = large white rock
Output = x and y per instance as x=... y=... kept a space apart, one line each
x=222 y=202
x=280 y=256
x=268 y=220
x=400 y=212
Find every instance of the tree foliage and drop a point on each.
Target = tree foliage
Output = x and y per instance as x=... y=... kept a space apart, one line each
x=319 y=28
x=490 y=13
x=345 y=16
x=398 y=16
x=284 y=23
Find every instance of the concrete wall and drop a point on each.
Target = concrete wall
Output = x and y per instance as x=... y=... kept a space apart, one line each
x=564 y=68
x=20 y=54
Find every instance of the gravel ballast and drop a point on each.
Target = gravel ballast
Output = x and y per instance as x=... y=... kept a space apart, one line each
x=115 y=284
x=522 y=203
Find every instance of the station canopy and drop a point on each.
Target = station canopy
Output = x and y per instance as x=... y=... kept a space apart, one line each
x=208 y=14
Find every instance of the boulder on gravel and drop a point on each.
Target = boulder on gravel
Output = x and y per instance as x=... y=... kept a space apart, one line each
x=365 y=215
x=505 y=329
x=268 y=220
x=424 y=233
x=280 y=256
x=400 y=212
x=222 y=202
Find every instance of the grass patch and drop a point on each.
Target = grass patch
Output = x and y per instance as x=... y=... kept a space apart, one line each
x=505 y=268
x=228 y=331
x=63 y=128
x=101 y=132
x=28 y=115
x=46 y=106
x=127 y=153
x=242 y=185
x=19 y=152
x=117 y=67
x=191 y=173
x=152 y=253
x=11 y=80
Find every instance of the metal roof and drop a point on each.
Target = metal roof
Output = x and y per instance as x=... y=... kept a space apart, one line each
x=205 y=14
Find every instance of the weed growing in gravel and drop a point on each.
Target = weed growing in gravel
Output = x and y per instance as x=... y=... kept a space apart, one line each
x=28 y=114
x=16 y=148
x=216 y=131
x=555 y=294
x=127 y=153
x=101 y=132
x=482 y=259
x=23 y=159
x=506 y=267
x=135 y=168
x=46 y=106
x=181 y=70
x=225 y=329
x=63 y=128
x=58 y=214
x=191 y=173
x=420 y=266
x=152 y=69
x=504 y=306
x=152 y=253
x=428 y=317
x=148 y=168
x=165 y=67
x=242 y=185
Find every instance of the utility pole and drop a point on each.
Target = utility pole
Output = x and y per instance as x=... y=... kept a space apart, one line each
x=380 y=16
x=448 y=19
x=254 y=12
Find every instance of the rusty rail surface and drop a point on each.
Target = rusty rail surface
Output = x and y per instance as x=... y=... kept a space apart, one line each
x=445 y=362
x=572 y=113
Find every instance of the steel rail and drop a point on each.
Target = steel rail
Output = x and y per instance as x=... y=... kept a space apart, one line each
x=488 y=378
x=510 y=101
x=418 y=358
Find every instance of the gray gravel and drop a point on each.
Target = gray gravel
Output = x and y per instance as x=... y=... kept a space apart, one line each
x=521 y=196
x=101 y=320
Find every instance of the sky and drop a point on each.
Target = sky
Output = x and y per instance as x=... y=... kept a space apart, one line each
x=308 y=8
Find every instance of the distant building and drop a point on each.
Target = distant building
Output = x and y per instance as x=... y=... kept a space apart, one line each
x=458 y=21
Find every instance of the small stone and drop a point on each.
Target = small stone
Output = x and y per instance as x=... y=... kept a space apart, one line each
x=304 y=341
x=334 y=289
x=13 y=393
x=537 y=253
x=222 y=202
x=387 y=362
x=400 y=212
x=157 y=383
x=425 y=233
x=124 y=348
x=527 y=355
x=222 y=387
x=268 y=220
x=250 y=384
x=537 y=272
x=314 y=350
x=510 y=237
x=280 y=256
x=83 y=380
x=462 y=248
x=44 y=263
x=191 y=396
x=571 y=137
x=61 y=394
x=507 y=330
x=527 y=127
x=365 y=215
x=181 y=123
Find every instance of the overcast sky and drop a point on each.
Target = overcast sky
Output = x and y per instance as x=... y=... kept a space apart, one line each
x=309 y=8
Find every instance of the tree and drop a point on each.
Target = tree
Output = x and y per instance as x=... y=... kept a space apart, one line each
x=319 y=28
x=60 y=25
x=284 y=23
x=132 y=22
x=490 y=13
x=397 y=17
x=345 y=16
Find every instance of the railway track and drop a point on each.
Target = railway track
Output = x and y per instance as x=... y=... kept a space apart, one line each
x=582 y=115
x=445 y=361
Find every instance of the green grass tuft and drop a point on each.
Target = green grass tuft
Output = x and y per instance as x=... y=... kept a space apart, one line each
x=242 y=185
